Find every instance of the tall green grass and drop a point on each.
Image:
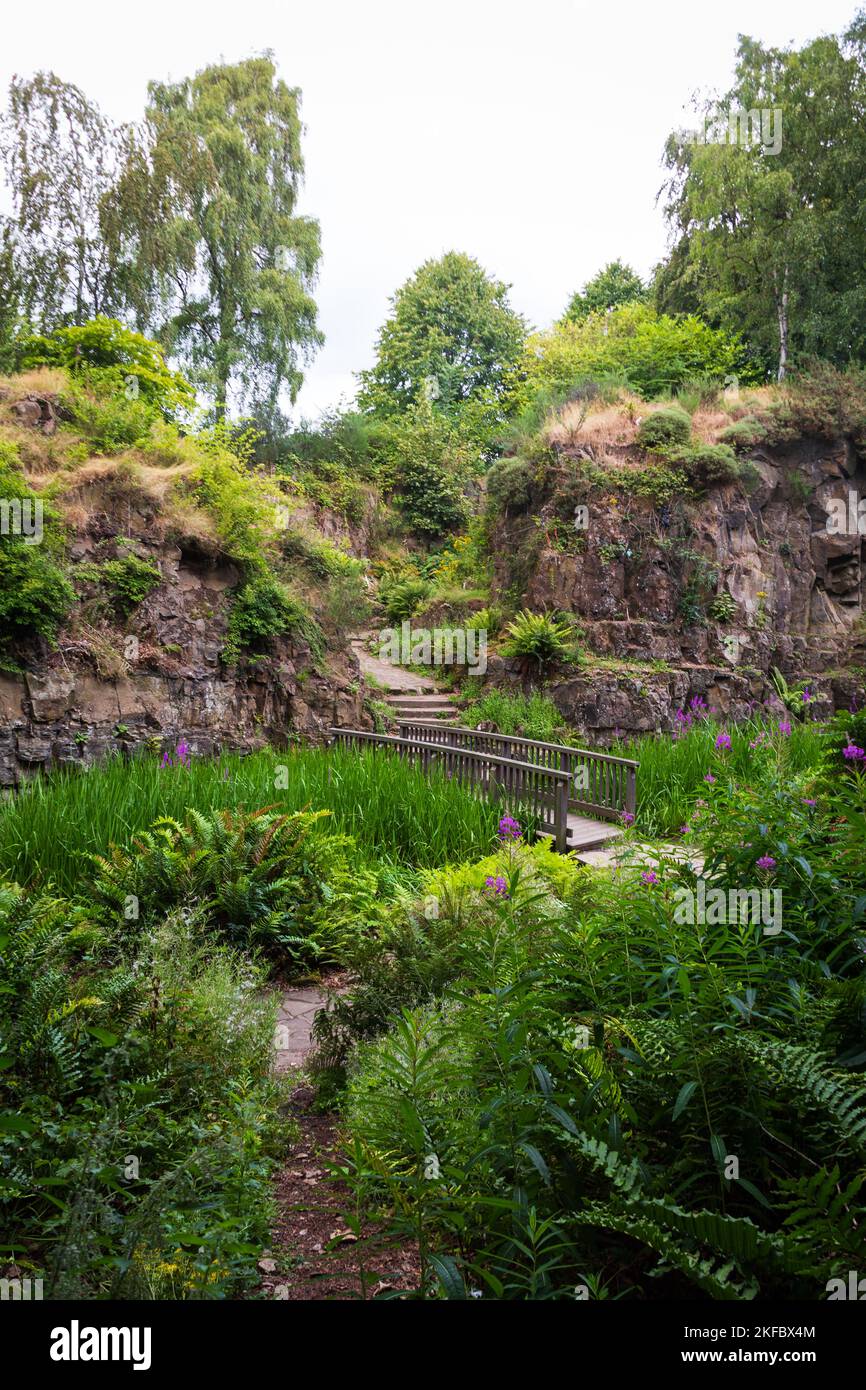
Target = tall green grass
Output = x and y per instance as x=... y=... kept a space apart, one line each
x=530 y=716
x=397 y=814
x=672 y=770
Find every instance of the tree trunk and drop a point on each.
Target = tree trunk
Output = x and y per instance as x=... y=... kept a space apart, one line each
x=782 y=313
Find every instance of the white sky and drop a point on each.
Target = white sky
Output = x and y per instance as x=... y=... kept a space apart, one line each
x=528 y=135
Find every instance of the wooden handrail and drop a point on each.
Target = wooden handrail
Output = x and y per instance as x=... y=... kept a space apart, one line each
x=498 y=778
x=609 y=782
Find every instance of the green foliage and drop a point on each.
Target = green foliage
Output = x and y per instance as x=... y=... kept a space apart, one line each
x=156 y=1036
x=531 y=716
x=653 y=353
x=401 y=598
x=109 y=420
x=35 y=594
x=59 y=154
x=663 y=429
x=426 y=462
x=767 y=239
x=747 y=433
x=262 y=609
x=111 y=357
x=127 y=581
x=539 y=638
x=225 y=267
x=395 y=813
x=615 y=284
x=708 y=465
x=582 y=1063
x=723 y=607
x=511 y=484
x=451 y=340
x=263 y=880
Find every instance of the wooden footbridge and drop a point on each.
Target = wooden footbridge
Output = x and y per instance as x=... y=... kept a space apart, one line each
x=575 y=795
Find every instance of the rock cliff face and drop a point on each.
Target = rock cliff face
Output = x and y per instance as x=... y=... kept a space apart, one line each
x=161 y=678
x=720 y=589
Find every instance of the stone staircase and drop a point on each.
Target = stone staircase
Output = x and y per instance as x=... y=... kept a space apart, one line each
x=409 y=695
x=421 y=707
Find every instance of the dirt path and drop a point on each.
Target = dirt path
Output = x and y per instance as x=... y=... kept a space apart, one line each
x=315 y=1255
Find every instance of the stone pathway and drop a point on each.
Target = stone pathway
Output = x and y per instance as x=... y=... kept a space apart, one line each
x=294 y=1030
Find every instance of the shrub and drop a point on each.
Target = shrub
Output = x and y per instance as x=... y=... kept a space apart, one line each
x=425 y=461
x=510 y=485
x=127 y=581
x=653 y=353
x=539 y=638
x=403 y=597
x=709 y=465
x=102 y=413
x=664 y=429
x=262 y=880
x=35 y=594
x=262 y=609
x=112 y=359
x=747 y=433
x=723 y=607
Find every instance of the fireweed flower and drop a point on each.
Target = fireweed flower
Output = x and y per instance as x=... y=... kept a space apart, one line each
x=766 y=861
x=649 y=877
x=496 y=886
x=166 y=760
x=509 y=829
x=784 y=727
x=183 y=752
x=853 y=753
x=723 y=741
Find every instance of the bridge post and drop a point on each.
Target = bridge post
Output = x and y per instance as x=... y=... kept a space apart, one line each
x=631 y=790
x=560 y=816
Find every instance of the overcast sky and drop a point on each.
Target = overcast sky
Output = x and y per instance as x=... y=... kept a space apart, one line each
x=526 y=134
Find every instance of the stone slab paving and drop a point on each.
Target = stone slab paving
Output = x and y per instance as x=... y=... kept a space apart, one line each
x=293 y=1038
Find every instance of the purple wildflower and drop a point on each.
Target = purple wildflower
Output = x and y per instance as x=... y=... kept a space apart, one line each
x=509 y=829
x=649 y=877
x=709 y=778
x=854 y=754
x=784 y=727
x=685 y=829
x=166 y=760
x=627 y=818
x=766 y=861
x=723 y=741
x=808 y=801
x=496 y=886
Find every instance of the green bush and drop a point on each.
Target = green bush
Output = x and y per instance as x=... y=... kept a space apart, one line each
x=709 y=465
x=264 y=608
x=747 y=433
x=539 y=638
x=510 y=485
x=664 y=429
x=425 y=462
x=401 y=598
x=109 y=421
x=35 y=594
x=112 y=358
x=127 y=581
x=262 y=880
x=654 y=353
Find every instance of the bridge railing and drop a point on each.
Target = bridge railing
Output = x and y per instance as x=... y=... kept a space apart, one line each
x=541 y=789
x=600 y=783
